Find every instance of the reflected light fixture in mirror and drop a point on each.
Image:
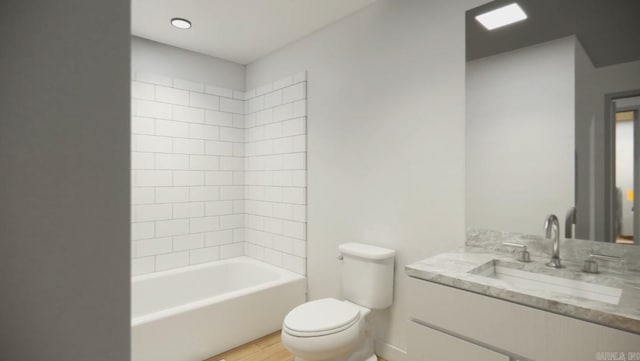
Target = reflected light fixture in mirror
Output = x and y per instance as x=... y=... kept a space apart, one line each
x=181 y=23
x=502 y=16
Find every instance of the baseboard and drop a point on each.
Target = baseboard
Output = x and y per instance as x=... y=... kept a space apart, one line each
x=390 y=352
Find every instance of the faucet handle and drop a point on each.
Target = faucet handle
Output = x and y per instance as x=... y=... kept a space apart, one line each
x=523 y=256
x=603 y=257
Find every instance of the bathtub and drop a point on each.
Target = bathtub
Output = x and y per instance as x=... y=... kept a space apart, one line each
x=193 y=313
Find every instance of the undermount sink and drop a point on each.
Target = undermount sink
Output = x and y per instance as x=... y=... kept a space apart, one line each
x=515 y=277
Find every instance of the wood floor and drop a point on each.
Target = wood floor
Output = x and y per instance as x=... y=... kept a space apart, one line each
x=267 y=348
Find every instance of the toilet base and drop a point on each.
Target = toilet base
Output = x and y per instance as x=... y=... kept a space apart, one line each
x=345 y=358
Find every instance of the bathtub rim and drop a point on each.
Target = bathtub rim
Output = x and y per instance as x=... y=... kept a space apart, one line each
x=284 y=276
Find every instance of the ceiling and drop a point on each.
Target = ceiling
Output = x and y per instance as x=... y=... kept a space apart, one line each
x=237 y=30
x=609 y=30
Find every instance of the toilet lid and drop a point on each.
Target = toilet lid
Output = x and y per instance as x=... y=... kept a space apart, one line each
x=321 y=316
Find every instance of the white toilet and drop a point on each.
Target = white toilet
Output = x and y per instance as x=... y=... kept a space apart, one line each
x=334 y=330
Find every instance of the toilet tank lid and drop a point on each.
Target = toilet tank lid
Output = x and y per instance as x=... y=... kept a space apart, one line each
x=366 y=251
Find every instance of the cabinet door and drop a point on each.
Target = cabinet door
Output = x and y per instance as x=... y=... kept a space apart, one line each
x=426 y=344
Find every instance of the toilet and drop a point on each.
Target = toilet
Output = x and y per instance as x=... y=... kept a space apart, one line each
x=333 y=330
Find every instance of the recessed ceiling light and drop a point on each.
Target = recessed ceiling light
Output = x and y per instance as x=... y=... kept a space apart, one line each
x=501 y=16
x=181 y=23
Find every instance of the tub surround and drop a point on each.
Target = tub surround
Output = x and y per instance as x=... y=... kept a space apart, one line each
x=462 y=269
x=217 y=173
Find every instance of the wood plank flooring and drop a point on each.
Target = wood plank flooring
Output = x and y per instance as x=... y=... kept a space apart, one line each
x=267 y=348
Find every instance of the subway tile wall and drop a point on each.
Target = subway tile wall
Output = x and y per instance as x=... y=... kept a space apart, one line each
x=209 y=182
x=275 y=173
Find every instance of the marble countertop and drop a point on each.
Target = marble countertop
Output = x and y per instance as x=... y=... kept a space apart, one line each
x=462 y=269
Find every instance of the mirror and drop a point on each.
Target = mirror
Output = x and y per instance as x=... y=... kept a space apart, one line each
x=552 y=105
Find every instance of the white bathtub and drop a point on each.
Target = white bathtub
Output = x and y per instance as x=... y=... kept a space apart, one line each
x=193 y=313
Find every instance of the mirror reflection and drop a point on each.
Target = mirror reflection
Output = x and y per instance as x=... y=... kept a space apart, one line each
x=552 y=103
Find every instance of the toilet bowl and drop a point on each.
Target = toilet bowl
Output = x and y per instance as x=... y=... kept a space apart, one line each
x=332 y=330
x=328 y=330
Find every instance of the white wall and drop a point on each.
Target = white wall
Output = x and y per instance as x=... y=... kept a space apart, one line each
x=520 y=137
x=64 y=183
x=385 y=138
x=151 y=57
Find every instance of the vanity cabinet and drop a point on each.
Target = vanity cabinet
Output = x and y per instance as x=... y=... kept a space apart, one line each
x=428 y=344
x=447 y=323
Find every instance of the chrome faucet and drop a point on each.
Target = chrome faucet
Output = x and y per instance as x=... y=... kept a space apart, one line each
x=551 y=224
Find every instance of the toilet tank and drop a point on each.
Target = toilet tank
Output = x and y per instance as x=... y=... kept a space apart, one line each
x=367 y=274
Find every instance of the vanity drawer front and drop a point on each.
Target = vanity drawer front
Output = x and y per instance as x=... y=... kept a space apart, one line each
x=515 y=329
x=428 y=344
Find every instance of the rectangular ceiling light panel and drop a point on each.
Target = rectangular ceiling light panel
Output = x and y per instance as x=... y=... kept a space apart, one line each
x=501 y=16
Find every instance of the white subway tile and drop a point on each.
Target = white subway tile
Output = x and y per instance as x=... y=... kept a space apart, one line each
x=188 y=178
x=273 y=99
x=273 y=257
x=144 y=195
x=293 y=229
x=239 y=95
x=293 y=264
x=264 y=89
x=231 y=221
x=204 y=255
x=204 y=101
x=142 y=230
x=238 y=206
x=219 y=178
x=213 y=147
x=199 y=131
x=299 y=77
x=283 y=112
x=188 y=210
x=273 y=225
x=207 y=193
x=294 y=92
x=239 y=121
x=170 y=95
x=300 y=143
x=299 y=109
x=294 y=195
x=140 y=266
x=188 y=241
x=150 y=109
x=188 y=114
x=219 y=118
x=299 y=248
x=188 y=146
x=299 y=213
x=172 y=260
x=239 y=235
x=172 y=129
x=172 y=161
x=188 y=85
x=291 y=127
x=283 y=83
x=299 y=178
x=172 y=194
x=150 y=143
x=172 y=227
x=238 y=150
x=254 y=251
x=151 y=178
x=219 y=208
x=204 y=224
x=232 y=134
x=152 y=78
x=151 y=212
x=231 y=250
x=232 y=105
x=231 y=192
x=215 y=90
x=255 y=104
x=204 y=162
x=143 y=126
x=282 y=210
x=218 y=238
x=153 y=246
x=141 y=90
x=283 y=145
x=141 y=160
x=294 y=161
x=238 y=178
x=231 y=163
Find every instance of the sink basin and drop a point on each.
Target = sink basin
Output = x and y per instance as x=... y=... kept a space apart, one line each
x=514 y=276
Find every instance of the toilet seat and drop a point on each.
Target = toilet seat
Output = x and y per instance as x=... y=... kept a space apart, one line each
x=321 y=317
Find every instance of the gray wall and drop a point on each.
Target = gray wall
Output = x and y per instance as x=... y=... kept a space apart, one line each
x=148 y=56
x=64 y=183
x=520 y=137
x=385 y=138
